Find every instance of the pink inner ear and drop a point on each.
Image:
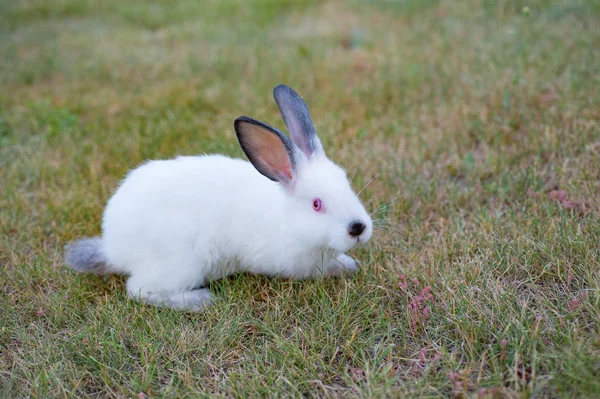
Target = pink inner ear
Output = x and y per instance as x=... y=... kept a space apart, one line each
x=285 y=169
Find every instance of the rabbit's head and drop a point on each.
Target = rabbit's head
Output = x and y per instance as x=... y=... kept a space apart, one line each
x=324 y=210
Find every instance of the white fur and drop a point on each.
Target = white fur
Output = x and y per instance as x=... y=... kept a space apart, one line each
x=174 y=225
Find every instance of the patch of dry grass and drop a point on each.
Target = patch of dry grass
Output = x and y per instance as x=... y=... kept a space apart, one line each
x=479 y=123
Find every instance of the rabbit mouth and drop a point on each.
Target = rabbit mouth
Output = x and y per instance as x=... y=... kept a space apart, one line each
x=361 y=240
x=348 y=242
x=355 y=241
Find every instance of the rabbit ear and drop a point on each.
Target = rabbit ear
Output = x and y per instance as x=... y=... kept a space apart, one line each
x=297 y=118
x=270 y=151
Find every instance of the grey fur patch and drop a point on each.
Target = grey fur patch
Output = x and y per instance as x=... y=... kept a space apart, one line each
x=86 y=256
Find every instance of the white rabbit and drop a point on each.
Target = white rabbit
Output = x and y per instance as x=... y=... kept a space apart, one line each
x=173 y=225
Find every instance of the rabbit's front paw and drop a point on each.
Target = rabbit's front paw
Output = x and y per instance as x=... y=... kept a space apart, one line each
x=342 y=264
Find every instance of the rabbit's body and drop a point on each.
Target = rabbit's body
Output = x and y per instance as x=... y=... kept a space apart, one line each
x=173 y=225
x=210 y=234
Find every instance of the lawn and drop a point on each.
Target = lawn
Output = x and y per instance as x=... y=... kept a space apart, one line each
x=475 y=126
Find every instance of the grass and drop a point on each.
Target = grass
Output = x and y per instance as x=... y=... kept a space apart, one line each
x=480 y=121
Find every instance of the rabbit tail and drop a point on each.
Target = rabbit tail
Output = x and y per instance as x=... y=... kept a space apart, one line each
x=87 y=256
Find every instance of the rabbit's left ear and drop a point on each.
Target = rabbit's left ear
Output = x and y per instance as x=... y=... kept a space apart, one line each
x=270 y=151
x=298 y=121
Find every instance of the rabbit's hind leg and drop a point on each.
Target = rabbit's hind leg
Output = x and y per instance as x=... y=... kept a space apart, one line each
x=187 y=300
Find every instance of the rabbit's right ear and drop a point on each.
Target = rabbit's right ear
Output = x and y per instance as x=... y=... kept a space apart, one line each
x=270 y=151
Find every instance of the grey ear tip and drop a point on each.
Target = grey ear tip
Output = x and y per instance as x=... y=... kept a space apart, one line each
x=247 y=120
x=243 y=119
x=282 y=89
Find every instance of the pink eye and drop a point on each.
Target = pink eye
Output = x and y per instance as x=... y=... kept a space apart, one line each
x=317 y=205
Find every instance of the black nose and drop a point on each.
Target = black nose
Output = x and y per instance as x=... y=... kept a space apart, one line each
x=356 y=229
